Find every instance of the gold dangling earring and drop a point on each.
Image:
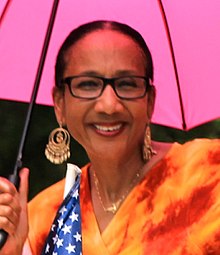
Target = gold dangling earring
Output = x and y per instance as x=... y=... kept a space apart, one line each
x=58 y=148
x=148 y=151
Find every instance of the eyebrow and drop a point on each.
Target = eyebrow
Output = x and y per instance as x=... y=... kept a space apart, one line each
x=116 y=74
x=126 y=72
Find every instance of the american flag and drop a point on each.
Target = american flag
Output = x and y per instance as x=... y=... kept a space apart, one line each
x=65 y=234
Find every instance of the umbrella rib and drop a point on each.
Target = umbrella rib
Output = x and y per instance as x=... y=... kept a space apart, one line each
x=174 y=63
x=4 y=11
x=18 y=163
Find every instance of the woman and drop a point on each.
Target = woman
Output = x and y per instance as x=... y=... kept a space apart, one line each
x=135 y=197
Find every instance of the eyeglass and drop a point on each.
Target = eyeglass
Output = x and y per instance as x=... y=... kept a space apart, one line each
x=92 y=87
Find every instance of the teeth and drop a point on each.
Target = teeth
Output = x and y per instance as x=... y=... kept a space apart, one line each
x=108 y=129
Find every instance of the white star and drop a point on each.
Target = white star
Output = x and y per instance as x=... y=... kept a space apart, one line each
x=63 y=210
x=76 y=194
x=55 y=253
x=66 y=229
x=71 y=248
x=60 y=222
x=55 y=239
x=74 y=217
x=77 y=236
x=59 y=243
x=52 y=227
x=47 y=248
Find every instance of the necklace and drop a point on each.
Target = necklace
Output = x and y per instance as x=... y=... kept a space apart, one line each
x=114 y=205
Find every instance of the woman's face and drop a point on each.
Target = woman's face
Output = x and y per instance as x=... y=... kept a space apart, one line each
x=106 y=126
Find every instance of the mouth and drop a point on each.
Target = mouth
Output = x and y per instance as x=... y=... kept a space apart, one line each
x=108 y=129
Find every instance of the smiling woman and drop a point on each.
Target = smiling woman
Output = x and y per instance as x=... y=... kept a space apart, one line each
x=88 y=56
x=144 y=193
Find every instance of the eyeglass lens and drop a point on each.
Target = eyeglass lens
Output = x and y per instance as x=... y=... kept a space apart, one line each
x=92 y=87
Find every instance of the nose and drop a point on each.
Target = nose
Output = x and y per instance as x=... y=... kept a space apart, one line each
x=108 y=102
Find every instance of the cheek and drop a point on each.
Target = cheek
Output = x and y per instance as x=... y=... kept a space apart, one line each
x=75 y=118
x=139 y=118
x=72 y=113
x=141 y=111
x=74 y=121
x=141 y=121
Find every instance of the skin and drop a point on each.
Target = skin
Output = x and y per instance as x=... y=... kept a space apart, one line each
x=114 y=155
x=13 y=213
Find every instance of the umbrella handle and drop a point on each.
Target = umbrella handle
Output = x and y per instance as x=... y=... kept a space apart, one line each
x=3 y=237
x=13 y=178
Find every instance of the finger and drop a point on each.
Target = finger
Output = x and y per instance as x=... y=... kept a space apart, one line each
x=10 y=213
x=8 y=225
x=8 y=199
x=6 y=186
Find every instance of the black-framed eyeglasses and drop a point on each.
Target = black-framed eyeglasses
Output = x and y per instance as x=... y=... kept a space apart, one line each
x=92 y=87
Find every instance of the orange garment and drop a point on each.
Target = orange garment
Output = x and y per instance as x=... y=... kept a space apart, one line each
x=174 y=210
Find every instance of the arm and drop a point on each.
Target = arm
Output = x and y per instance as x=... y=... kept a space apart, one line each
x=13 y=213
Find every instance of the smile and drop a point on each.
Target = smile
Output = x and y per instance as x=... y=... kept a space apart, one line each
x=108 y=128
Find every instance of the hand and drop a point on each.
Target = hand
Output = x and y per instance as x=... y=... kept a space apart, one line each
x=13 y=213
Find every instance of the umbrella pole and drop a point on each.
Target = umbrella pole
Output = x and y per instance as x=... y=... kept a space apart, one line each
x=18 y=165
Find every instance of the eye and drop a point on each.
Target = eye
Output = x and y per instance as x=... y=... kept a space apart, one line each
x=86 y=83
x=126 y=83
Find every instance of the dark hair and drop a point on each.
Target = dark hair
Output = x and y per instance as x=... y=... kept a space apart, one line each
x=87 y=28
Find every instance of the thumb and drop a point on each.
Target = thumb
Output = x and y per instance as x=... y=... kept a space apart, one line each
x=23 y=198
x=23 y=188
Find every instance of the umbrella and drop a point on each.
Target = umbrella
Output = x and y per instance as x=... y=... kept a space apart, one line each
x=183 y=37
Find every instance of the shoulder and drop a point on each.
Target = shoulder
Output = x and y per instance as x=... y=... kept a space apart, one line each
x=204 y=144
x=52 y=195
x=193 y=164
x=203 y=150
x=50 y=198
x=41 y=212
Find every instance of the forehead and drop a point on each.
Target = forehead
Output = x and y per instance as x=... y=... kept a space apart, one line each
x=103 y=35
x=108 y=37
x=105 y=39
x=107 y=47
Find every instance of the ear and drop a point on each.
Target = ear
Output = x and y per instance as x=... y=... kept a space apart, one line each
x=151 y=101
x=59 y=105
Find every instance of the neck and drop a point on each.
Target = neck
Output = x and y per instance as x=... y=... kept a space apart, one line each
x=116 y=177
x=111 y=173
x=112 y=181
